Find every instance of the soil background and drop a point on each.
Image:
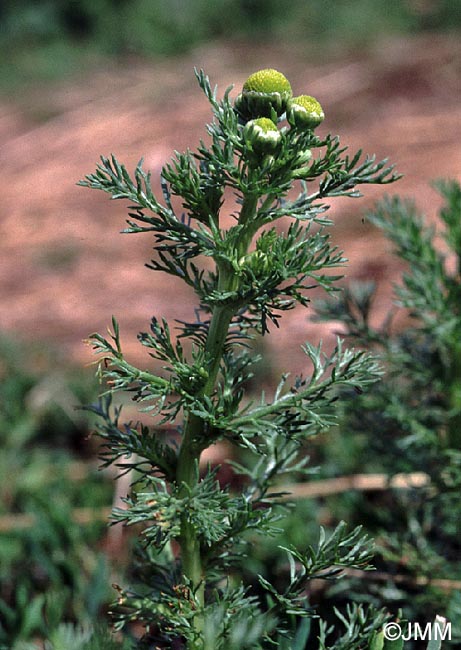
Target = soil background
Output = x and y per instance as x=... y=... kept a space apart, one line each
x=64 y=267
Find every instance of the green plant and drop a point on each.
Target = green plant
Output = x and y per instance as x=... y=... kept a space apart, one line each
x=50 y=570
x=48 y=40
x=411 y=420
x=190 y=593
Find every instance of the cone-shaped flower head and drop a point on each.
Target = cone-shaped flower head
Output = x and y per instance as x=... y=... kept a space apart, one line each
x=267 y=81
x=263 y=92
x=262 y=135
x=305 y=112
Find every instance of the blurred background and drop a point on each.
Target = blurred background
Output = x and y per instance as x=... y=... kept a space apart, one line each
x=81 y=78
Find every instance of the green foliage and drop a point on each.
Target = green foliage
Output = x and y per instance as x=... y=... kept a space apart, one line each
x=50 y=572
x=52 y=38
x=77 y=637
x=39 y=394
x=121 y=26
x=49 y=568
x=411 y=419
x=189 y=593
x=361 y=625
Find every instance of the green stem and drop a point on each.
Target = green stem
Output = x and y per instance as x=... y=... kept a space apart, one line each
x=188 y=468
x=192 y=441
x=248 y=220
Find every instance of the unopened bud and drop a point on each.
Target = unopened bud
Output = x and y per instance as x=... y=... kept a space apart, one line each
x=300 y=170
x=305 y=112
x=258 y=261
x=262 y=135
x=303 y=157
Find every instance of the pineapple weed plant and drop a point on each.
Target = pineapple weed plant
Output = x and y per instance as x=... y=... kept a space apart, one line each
x=189 y=595
x=416 y=408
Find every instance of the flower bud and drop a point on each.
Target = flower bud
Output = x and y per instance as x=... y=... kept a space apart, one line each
x=257 y=261
x=262 y=135
x=300 y=169
x=305 y=112
x=303 y=157
x=263 y=92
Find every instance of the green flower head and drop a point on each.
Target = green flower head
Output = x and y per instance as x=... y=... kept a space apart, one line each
x=267 y=81
x=262 y=135
x=263 y=92
x=305 y=112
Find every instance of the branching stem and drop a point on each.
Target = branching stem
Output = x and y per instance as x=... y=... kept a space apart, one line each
x=193 y=436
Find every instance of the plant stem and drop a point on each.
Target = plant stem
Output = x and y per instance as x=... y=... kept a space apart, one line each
x=193 y=437
x=188 y=468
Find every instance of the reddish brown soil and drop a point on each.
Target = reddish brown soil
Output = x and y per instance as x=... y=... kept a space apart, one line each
x=65 y=269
